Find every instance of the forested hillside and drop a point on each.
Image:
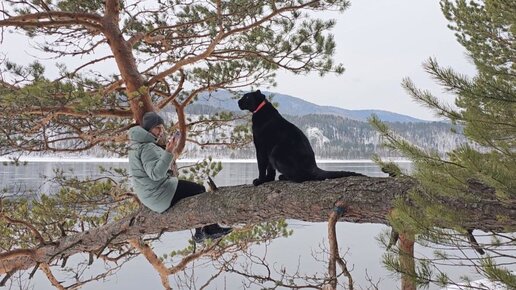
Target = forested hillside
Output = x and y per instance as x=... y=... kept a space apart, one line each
x=334 y=137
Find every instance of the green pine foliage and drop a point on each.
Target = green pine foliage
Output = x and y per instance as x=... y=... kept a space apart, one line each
x=200 y=171
x=485 y=106
x=84 y=107
x=78 y=205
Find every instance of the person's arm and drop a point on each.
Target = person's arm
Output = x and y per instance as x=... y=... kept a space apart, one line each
x=171 y=147
x=156 y=162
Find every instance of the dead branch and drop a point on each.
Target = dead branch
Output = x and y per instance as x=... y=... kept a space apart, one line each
x=46 y=269
x=338 y=211
x=151 y=257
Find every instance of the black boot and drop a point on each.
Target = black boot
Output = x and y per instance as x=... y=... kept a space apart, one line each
x=200 y=235
x=213 y=232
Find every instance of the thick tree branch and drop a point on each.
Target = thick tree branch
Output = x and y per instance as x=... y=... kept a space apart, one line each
x=7 y=85
x=369 y=200
x=178 y=65
x=140 y=100
x=16 y=254
x=70 y=111
x=112 y=9
x=46 y=269
x=34 y=231
x=76 y=70
x=151 y=257
x=54 y=19
x=169 y=97
x=268 y=17
x=222 y=35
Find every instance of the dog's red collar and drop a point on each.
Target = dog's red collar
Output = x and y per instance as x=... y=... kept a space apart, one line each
x=259 y=107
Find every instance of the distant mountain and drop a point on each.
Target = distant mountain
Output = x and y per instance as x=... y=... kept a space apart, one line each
x=288 y=105
x=335 y=137
x=332 y=136
x=333 y=132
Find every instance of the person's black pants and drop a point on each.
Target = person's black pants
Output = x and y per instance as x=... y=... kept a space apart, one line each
x=186 y=189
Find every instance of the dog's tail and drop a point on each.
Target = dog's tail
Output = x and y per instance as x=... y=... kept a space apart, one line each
x=323 y=174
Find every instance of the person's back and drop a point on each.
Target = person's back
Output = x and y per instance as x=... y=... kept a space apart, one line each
x=148 y=165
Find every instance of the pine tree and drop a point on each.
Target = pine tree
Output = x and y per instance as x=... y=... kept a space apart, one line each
x=485 y=108
x=163 y=54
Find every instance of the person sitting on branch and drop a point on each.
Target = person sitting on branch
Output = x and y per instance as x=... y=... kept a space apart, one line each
x=149 y=170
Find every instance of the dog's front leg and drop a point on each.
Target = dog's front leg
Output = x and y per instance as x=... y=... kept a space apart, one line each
x=263 y=162
x=271 y=172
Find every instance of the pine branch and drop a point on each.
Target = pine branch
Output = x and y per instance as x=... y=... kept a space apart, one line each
x=54 y=19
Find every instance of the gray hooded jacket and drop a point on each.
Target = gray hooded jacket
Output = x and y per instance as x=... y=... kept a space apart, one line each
x=148 y=165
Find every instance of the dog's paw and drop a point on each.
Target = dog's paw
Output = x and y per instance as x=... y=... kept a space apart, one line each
x=258 y=181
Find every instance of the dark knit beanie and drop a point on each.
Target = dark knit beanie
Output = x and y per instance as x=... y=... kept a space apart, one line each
x=151 y=120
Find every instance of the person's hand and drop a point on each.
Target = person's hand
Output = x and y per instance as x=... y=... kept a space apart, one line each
x=172 y=144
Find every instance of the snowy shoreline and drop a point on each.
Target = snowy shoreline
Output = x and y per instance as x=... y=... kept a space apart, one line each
x=224 y=160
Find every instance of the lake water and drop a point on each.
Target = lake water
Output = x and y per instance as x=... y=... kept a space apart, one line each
x=357 y=242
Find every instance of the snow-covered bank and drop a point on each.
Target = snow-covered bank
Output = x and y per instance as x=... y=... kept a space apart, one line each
x=224 y=160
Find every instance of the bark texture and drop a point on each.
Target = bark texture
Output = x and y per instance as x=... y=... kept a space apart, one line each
x=368 y=200
x=407 y=263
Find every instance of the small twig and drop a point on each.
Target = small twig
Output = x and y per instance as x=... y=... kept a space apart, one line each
x=99 y=252
x=65 y=249
x=474 y=242
x=90 y=258
x=63 y=264
x=213 y=277
x=115 y=259
x=34 y=270
x=6 y=278
x=192 y=257
x=211 y=184
x=393 y=238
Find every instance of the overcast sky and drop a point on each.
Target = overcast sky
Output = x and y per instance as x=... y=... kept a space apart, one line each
x=379 y=42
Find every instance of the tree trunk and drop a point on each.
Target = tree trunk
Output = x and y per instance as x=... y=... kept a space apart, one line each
x=407 y=263
x=139 y=97
x=369 y=200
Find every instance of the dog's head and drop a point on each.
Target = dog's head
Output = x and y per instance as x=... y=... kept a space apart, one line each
x=251 y=101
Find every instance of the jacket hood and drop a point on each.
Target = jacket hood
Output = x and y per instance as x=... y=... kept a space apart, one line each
x=139 y=135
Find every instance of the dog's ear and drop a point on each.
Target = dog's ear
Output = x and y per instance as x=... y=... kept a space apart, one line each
x=258 y=92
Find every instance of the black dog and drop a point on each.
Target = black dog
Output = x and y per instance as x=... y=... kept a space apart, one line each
x=281 y=146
